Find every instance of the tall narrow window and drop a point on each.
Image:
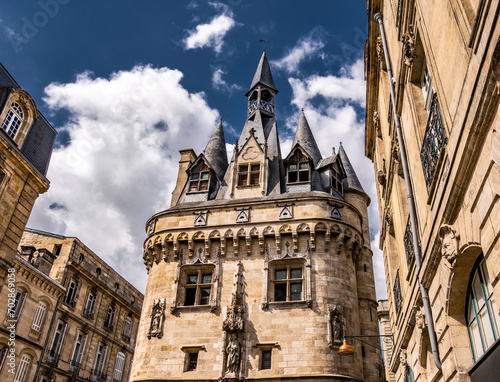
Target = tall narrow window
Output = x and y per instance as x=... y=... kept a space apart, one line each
x=298 y=168
x=336 y=181
x=71 y=292
x=199 y=178
x=96 y=373
x=120 y=361
x=110 y=317
x=15 y=311
x=426 y=85
x=39 y=316
x=192 y=361
x=265 y=362
x=57 y=249
x=22 y=369
x=13 y=120
x=482 y=314
x=248 y=174
x=55 y=347
x=89 y=305
x=76 y=358
x=127 y=328
x=198 y=286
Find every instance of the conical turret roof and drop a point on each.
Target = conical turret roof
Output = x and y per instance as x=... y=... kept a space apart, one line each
x=305 y=137
x=351 y=181
x=215 y=151
x=263 y=74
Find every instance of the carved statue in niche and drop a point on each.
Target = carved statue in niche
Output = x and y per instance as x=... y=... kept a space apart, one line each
x=155 y=328
x=233 y=350
x=449 y=244
x=336 y=324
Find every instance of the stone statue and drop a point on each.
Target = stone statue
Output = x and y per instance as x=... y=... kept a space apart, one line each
x=449 y=244
x=233 y=355
x=337 y=328
x=155 y=327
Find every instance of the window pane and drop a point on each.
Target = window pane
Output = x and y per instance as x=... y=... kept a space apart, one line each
x=292 y=177
x=484 y=318
x=190 y=296
x=256 y=167
x=293 y=167
x=279 y=292
x=280 y=274
x=242 y=180
x=192 y=279
x=486 y=280
x=192 y=361
x=204 y=296
x=204 y=175
x=296 y=291
x=195 y=176
x=254 y=178
x=193 y=186
x=203 y=185
x=206 y=279
x=494 y=314
x=243 y=168
x=304 y=176
x=266 y=359
x=303 y=166
x=478 y=292
x=296 y=273
x=476 y=339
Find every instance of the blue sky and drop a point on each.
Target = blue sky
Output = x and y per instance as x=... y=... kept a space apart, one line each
x=128 y=84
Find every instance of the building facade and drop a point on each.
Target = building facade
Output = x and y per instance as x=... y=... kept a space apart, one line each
x=432 y=122
x=262 y=264
x=75 y=318
x=26 y=142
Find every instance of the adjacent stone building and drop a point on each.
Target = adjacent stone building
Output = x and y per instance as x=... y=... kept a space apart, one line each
x=262 y=264
x=442 y=61
x=77 y=319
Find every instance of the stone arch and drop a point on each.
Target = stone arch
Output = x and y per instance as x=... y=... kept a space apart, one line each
x=214 y=235
x=241 y=233
x=183 y=236
x=199 y=236
x=304 y=227
x=254 y=232
x=285 y=229
x=228 y=233
x=268 y=231
x=336 y=229
x=348 y=233
x=23 y=287
x=320 y=227
x=29 y=109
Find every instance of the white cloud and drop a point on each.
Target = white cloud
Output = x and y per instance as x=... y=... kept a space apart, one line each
x=211 y=34
x=305 y=48
x=220 y=84
x=121 y=163
x=332 y=105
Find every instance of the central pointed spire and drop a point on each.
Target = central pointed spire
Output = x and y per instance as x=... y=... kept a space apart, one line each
x=263 y=75
x=262 y=91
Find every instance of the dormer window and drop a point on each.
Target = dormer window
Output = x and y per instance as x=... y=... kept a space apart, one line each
x=298 y=168
x=336 y=181
x=200 y=177
x=13 y=120
x=248 y=174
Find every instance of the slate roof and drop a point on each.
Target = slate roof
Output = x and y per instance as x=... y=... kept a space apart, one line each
x=263 y=75
x=351 y=181
x=216 y=153
x=305 y=137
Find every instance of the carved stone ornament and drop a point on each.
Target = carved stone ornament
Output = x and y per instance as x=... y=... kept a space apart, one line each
x=233 y=351
x=449 y=244
x=335 y=325
x=151 y=227
x=381 y=178
x=380 y=51
x=336 y=211
x=156 y=324
x=200 y=218
x=242 y=214
x=420 y=318
x=235 y=312
x=403 y=359
x=408 y=46
x=285 y=212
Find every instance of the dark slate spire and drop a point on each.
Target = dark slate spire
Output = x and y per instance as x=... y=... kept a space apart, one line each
x=351 y=181
x=215 y=151
x=305 y=138
x=263 y=75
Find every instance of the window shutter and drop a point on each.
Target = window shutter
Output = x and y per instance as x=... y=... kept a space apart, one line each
x=39 y=316
x=120 y=361
x=22 y=369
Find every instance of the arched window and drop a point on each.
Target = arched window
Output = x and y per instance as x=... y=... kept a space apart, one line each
x=298 y=168
x=13 y=120
x=481 y=311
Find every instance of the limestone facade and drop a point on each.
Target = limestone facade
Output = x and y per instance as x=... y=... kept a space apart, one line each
x=446 y=72
x=78 y=318
x=261 y=265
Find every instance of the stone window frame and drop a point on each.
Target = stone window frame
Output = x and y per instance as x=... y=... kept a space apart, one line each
x=110 y=316
x=126 y=334
x=3 y=354
x=298 y=158
x=76 y=358
x=23 y=368
x=201 y=169
x=56 y=344
x=91 y=292
x=40 y=316
x=200 y=271
x=100 y=359
x=15 y=312
x=190 y=351
x=266 y=347
x=248 y=174
x=288 y=281
x=336 y=182
x=268 y=285
x=71 y=292
x=28 y=107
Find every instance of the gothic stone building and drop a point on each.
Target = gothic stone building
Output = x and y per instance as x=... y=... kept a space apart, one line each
x=442 y=59
x=76 y=317
x=262 y=264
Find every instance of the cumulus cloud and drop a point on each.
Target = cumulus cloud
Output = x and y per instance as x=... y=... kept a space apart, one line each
x=334 y=108
x=220 y=84
x=211 y=34
x=306 y=48
x=120 y=164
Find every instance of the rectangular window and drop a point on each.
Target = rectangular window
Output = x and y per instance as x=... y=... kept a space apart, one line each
x=57 y=340
x=39 y=316
x=426 y=85
x=127 y=328
x=76 y=358
x=22 y=369
x=288 y=283
x=249 y=175
x=199 y=178
x=265 y=362
x=89 y=305
x=198 y=288
x=71 y=292
x=336 y=182
x=15 y=312
x=96 y=372
x=192 y=361
x=57 y=249
x=110 y=317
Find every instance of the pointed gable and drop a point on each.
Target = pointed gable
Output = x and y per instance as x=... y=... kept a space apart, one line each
x=216 y=153
x=263 y=75
x=305 y=137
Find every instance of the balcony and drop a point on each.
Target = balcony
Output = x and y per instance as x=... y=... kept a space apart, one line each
x=71 y=302
x=52 y=358
x=97 y=376
x=434 y=140
x=74 y=366
x=88 y=313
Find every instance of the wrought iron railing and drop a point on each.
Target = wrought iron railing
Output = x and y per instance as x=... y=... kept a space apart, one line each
x=71 y=302
x=74 y=366
x=397 y=293
x=434 y=140
x=52 y=358
x=97 y=376
x=263 y=105
x=89 y=313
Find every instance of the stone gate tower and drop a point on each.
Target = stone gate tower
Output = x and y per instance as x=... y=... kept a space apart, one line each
x=262 y=264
